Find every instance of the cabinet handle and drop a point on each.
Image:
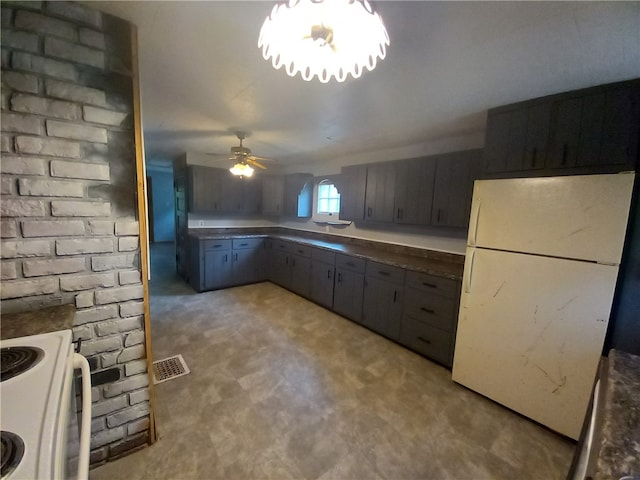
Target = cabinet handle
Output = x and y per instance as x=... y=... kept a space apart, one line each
x=350 y=264
x=564 y=154
x=425 y=340
x=427 y=310
x=383 y=273
x=369 y=209
x=339 y=278
x=439 y=214
x=226 y=258
x=236 y=257
x=395 y=296
x=301 y=252
x=329 y=274
x=293 y=262
x=286 y=260
x=398 y=214
x=244 y=244
x=430 y=285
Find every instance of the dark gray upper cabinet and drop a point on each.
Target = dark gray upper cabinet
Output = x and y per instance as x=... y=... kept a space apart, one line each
x=272 y=194
x=351 y=184
x=217 y=191
x=298 y=195
x=453 y=189
x=203 y=185
x=414 y=190
x=594 y=130
x=379 y=198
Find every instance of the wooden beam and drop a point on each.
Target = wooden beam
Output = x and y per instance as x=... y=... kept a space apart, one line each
x=142 y=221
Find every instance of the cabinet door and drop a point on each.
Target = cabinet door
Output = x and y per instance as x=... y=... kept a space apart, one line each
x=537 y=139
x=382 y=307
x=380 y=193
x=348 y=293
x=517 y=139
x=204 y=189
x=496 y=142
x=300 y=275
x=591 y=127
x=245 y=266
x=251 y=195
x=322 y=277
x=565 y=133
x=455 y=174
x=621 y=129
x=272 y=194
x=217 y=269
x=232 y=194
x=280 y=269
x=351 y=185
x=181 y=225
x=414 y=191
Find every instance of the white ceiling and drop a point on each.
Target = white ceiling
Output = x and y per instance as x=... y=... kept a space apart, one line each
x=203 y=76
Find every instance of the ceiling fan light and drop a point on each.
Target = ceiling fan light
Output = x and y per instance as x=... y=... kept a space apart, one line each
x=241 y=169
x=323 y=38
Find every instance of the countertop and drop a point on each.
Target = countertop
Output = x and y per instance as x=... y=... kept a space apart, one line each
x=45 y=320
x=619 y=445
x=446 y=265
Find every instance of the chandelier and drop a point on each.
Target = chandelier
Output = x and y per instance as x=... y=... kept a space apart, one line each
x=323 y=38
x=241 y=169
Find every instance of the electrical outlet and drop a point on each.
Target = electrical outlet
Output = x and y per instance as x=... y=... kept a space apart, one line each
x=201 y=223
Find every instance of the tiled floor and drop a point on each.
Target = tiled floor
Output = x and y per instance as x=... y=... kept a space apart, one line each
x=281 y=388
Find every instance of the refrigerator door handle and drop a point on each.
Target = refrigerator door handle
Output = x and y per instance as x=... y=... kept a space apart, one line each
x=473 y=227
x=469 y=272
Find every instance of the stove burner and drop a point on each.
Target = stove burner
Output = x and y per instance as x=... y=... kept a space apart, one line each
x=12 y=451
x=16 y=360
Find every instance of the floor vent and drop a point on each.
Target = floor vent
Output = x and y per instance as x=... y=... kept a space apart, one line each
x=169 y=368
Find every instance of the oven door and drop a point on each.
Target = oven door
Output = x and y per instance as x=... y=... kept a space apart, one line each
x=73 y=443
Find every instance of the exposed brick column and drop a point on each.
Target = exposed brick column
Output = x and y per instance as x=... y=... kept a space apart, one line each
x=69 y=230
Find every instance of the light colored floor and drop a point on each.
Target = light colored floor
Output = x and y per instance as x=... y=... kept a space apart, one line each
x=281 y=388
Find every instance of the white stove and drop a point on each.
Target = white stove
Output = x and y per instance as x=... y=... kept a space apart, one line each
x=38 y=409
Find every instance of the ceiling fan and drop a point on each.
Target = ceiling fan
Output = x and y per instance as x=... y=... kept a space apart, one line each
x=245 y=161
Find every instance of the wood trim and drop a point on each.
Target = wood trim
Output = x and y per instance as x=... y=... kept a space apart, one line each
x=142 y=221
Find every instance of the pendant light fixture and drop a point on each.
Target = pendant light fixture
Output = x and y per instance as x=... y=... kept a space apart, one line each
x=242 y=169
x=324 y=38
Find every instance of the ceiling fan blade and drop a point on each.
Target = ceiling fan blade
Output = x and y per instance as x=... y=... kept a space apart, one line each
x=252 y=161
x=262 y=159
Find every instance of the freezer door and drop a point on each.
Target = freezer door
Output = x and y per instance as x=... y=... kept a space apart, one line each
x=531 y=331
x=582 y=217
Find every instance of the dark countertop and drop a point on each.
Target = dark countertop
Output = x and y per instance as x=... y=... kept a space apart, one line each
x=447 y=265
x=45 y=320
x=619 y=446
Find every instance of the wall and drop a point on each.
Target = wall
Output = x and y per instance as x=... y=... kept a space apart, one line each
x=69 y=228
x=163 y=209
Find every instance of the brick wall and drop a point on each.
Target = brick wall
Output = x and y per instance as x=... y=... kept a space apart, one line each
x=68 y=207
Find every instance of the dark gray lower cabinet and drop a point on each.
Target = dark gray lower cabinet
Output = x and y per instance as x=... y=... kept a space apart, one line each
x=280 y=269
x=429 y=318
x=349 y=287
x=247 y=260
x=322 y=277
x=217 y=269
x=383 y=297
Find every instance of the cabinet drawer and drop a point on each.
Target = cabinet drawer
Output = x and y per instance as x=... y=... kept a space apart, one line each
x=323 y=256
x=385 y=272
x=240 y=243
x=431 y=283
x=208 y=245
x=348 y=262
x=282 y=246
x=427 y=340
x=435 y=310
x=301 y=250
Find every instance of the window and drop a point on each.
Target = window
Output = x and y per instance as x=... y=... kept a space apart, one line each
x=328 y=198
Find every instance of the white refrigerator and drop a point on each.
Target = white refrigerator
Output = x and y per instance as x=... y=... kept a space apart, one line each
x=540 y=271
